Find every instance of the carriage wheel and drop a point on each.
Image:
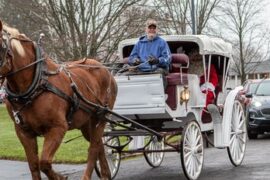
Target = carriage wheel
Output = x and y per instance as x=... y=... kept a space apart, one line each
x=154 y=159
x=113 y=157
x=238 y=137
x=192 y=150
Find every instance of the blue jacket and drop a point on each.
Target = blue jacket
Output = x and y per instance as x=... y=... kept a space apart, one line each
x=144 y=48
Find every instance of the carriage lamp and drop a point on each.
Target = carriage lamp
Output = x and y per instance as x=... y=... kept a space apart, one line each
x=184 y=96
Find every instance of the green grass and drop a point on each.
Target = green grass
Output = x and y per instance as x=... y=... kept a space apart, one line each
x=11 y=148
x=72 y=152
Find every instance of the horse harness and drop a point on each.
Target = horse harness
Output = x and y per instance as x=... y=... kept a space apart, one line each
x=41 y=84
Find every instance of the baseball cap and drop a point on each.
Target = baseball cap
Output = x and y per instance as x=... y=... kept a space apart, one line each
x=151 y=22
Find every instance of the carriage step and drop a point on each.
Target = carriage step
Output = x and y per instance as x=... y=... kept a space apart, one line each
x=127 y=133
x=215 y=114
x=172 y=125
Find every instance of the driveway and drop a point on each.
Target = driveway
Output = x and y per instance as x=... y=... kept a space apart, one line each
x=217 y=166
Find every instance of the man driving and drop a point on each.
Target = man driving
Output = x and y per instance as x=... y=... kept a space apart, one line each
x=151 y=53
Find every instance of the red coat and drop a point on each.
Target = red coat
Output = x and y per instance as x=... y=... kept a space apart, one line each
x=213 y=78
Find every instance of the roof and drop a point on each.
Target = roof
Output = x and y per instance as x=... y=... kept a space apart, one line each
x=207 y=45
x=255 y=68
x=262 y=67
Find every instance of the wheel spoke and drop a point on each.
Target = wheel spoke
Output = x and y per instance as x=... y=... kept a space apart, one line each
x=198 y=146
x=232 y=143
x=232 y=138
x=197 y=139
x=187 y=147
x=238 y=118
x=198 y=157
x=242 y=139
x=187 y=154
x=241 y=124
x=190 y=134
x=236 y=150
x=187 y=140
x=188 y=161
x=111 y=164
x=193 y=166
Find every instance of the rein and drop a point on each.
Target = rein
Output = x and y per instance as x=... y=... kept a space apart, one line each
x=21 y=69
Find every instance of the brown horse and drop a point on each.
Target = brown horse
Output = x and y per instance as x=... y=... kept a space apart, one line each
x=41 y=101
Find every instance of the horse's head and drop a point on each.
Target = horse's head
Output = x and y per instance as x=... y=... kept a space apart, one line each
x=14 y=45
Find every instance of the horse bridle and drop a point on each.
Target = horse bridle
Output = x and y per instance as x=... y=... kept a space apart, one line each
x=6 y=54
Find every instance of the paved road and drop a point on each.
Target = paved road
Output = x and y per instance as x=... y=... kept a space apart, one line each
x=217 y=166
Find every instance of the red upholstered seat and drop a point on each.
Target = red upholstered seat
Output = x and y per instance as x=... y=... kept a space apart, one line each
x=174 y=78
x=179 y=60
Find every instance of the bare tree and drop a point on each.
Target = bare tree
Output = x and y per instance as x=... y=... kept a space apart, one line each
x=173 y=15
x=176 y=14
x=246 y=32
x=83 y=28
x=18 y=14
x=76 y=28
x=205 y=11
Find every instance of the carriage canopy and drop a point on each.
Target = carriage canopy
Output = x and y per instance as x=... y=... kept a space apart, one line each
x=206 y=44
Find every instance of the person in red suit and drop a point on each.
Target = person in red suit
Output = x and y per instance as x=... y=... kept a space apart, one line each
x=209 y=87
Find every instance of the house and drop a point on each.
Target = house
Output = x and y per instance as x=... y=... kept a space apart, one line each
x=259 y=71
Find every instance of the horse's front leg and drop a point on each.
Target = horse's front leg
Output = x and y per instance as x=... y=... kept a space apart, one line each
x=29 y=143
x=52 y=140
x=96 y=151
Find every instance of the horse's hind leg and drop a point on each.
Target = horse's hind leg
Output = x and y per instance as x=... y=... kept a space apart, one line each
x=52 y=140
x=31 y=150
x=96 y=150
x=105 y=170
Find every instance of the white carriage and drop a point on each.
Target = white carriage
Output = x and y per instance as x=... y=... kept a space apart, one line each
x=178 y=108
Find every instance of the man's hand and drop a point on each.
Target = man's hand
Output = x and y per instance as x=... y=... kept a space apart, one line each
x=152 y=60
x=137 y=61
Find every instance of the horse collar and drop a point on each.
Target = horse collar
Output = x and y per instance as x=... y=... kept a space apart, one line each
x=31 y=91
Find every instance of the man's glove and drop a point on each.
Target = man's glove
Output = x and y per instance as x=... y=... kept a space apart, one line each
x=152 y=60
x=137 y=61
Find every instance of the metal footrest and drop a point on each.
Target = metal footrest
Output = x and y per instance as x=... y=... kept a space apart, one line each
x=127 y=133
x=215 y=114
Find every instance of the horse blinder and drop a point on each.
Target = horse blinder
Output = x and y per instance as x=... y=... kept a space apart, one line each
x=3 y=50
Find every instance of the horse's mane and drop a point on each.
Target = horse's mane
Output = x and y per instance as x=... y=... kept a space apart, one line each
x=15 y=33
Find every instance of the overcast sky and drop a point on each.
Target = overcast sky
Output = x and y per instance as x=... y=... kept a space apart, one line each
x=266 y=14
